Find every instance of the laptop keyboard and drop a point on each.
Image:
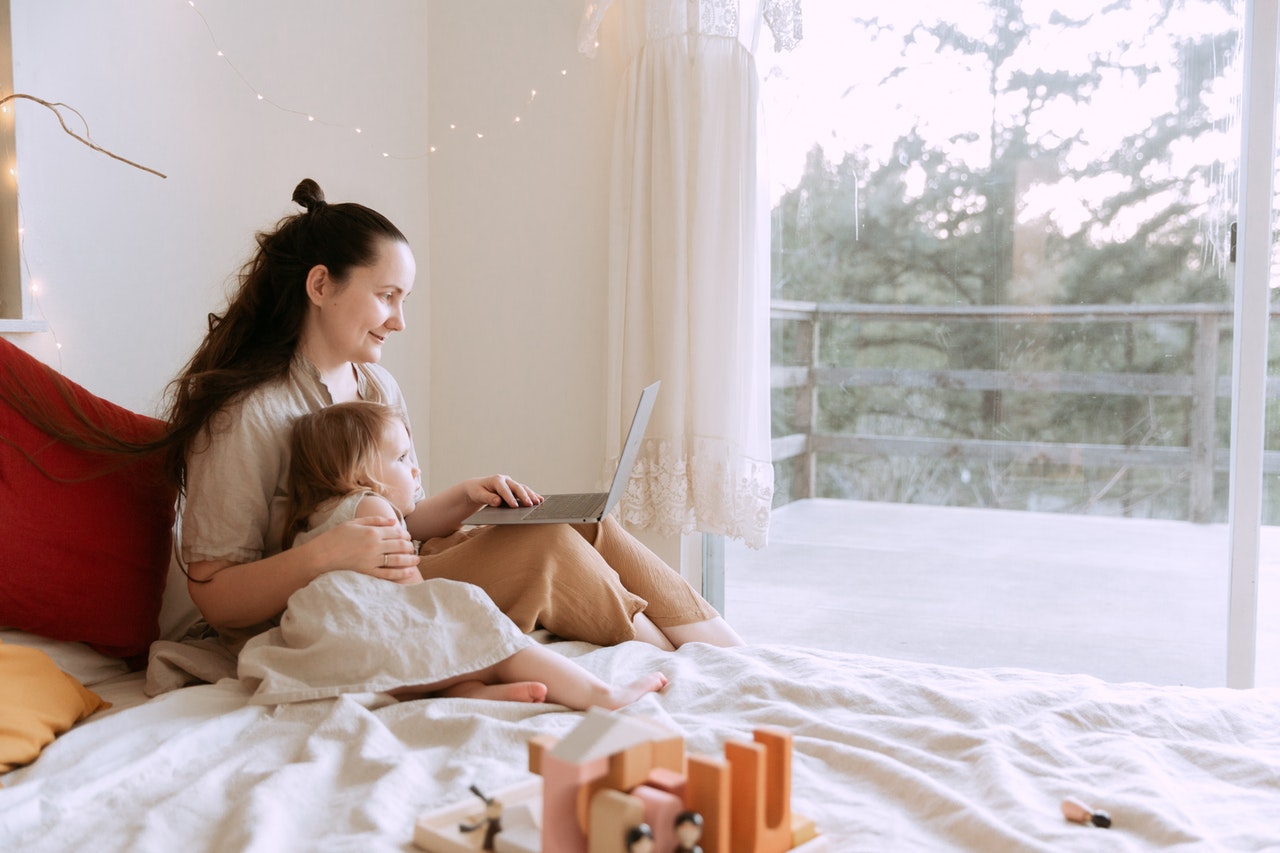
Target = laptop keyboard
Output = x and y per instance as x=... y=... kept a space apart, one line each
x=569 y=506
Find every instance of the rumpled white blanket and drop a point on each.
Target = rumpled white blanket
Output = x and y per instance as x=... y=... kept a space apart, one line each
x=889 y=756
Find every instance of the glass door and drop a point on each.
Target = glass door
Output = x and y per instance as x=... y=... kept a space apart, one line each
x=1004 y=331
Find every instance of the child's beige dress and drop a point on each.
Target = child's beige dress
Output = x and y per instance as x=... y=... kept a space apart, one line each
x=347 y=632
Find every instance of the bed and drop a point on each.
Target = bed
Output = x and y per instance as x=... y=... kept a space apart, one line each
x=887 y=755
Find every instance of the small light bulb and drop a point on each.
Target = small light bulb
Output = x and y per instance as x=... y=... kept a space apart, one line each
x=479 y=136
x=260 y=98
x=431 y=150
x=311 y=118
x=517 y=119
x=564 y=72
x=453 y=127
x=358 y=130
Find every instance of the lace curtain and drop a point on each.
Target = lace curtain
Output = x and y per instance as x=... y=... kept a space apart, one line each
x=689 y=260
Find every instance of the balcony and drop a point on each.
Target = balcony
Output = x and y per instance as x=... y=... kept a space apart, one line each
x=1120 y=598
x=1121 y=588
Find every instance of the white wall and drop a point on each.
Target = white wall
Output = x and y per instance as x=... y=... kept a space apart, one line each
x=510 y=239
x=518 y=242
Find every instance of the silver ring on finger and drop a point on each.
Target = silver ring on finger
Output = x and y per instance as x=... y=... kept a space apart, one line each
x=384 y=561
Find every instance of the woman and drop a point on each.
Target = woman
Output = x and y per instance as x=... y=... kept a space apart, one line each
x=315 y=306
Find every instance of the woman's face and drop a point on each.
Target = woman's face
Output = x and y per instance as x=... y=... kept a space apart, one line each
x=396 y=471
x=355 y=317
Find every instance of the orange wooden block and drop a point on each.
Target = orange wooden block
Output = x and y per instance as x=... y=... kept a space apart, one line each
x=708 y=794
x=668 y=753
x=612 y=814
x=539 y=745
x=669 y=781
x=629 y=767
x=760 y=793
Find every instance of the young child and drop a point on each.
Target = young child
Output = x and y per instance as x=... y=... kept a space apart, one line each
x=356 y=459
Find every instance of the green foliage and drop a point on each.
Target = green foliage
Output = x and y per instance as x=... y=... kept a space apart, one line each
x=922 y=226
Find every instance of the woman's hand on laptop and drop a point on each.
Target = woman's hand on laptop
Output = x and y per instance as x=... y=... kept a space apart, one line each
x=501 y=490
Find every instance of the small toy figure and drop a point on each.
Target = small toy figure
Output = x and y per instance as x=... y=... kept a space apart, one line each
x=1077 y=812
x=491 y=822
x=640 y=839
x=689 y=832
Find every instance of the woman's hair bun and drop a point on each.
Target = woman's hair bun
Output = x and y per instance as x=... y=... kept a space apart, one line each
x=308 y=194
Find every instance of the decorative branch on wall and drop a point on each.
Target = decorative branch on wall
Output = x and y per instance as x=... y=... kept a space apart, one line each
x=56 y=108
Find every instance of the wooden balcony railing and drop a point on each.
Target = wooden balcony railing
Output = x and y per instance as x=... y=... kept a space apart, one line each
x=1201 y=384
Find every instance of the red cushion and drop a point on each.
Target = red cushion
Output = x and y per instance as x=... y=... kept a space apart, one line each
x=83 y=554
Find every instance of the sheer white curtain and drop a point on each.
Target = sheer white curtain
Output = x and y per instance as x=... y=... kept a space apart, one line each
x=689 y=260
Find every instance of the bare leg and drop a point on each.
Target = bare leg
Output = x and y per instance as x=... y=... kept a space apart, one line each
x=650 y=633
x=715 y=632
x=520 y=691
x=536 y=674
x=569 y=684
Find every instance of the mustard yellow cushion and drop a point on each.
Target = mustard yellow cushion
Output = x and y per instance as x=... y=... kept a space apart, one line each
x=38 y=702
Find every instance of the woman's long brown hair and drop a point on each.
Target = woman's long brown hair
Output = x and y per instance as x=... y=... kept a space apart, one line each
x=249 y=343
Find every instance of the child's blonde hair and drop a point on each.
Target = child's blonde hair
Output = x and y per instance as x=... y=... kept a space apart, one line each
x=333 y=452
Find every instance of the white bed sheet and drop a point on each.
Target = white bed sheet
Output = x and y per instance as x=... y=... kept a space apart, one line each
x=889 y=756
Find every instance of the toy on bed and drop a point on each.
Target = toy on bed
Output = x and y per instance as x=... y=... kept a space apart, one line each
x=617 y=781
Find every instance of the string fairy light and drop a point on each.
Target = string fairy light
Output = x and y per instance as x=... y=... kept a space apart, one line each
x=433 y=146
x=36 y=287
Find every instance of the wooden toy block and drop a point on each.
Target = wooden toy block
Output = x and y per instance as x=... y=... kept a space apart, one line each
x=668 y=753
x=802 y=829
x=708 y=794
x=612 y=814
x=629 y=767
x=566 y=793
x=669 y=781
x=521 y=830
x=760 y=793
x=539 y=745
x=438 y=831
x=777 y=744
x=518 y=841
x=660 y=810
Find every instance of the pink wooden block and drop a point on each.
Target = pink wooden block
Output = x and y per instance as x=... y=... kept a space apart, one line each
x=566 y=793
x=660 y=810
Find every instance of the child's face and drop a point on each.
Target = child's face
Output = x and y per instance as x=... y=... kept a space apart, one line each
x=396 y=470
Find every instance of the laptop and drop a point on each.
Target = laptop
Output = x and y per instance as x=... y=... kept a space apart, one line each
x=582 y=507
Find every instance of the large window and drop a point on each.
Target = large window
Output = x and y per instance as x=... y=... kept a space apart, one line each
x=1003 y=281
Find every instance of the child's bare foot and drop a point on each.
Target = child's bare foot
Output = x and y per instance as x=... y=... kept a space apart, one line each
x=520 y=691
x=616 y=697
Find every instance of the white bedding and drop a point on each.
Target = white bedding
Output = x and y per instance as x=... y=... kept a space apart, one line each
x=889 y=756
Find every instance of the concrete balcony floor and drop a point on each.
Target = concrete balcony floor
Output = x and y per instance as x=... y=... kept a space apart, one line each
x=1122 y=599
